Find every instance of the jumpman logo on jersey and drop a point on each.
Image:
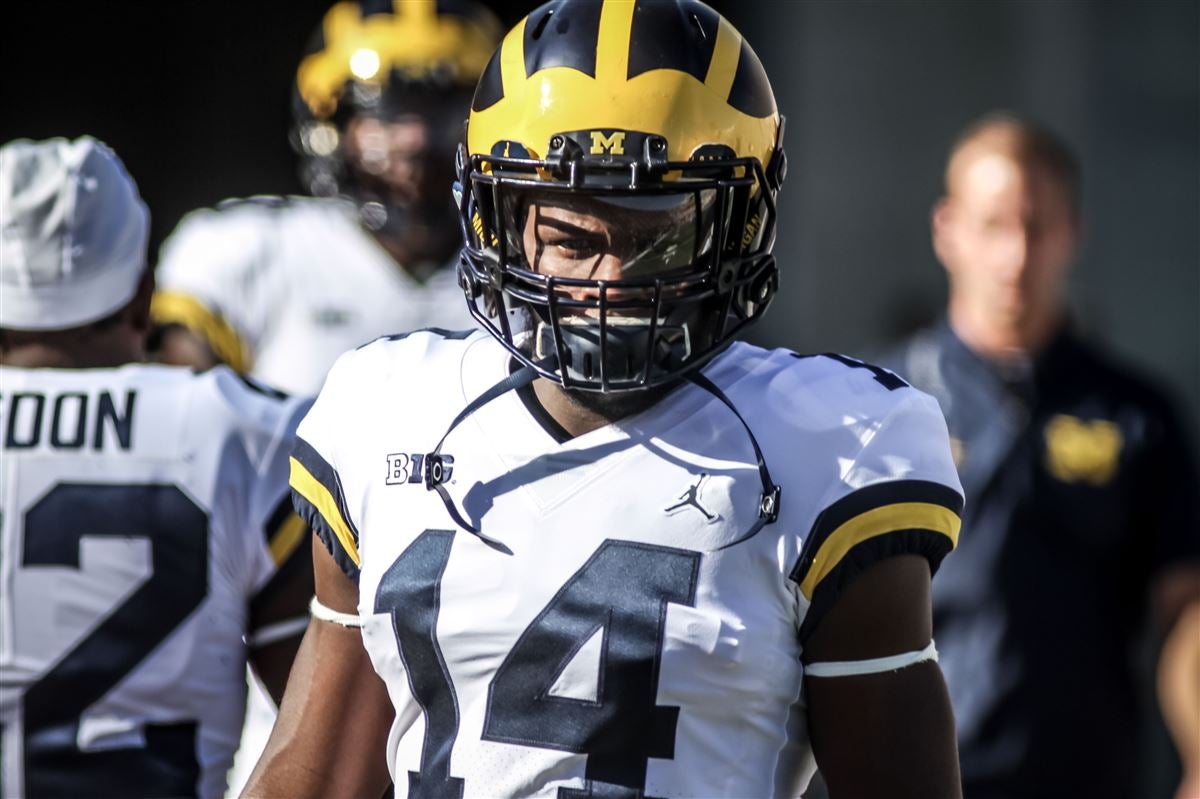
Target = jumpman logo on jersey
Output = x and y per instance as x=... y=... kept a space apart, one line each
x=691 y=497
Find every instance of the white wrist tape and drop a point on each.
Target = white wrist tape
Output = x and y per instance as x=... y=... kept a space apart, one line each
x=323 y=613
x=850 y=668
x=278 y=631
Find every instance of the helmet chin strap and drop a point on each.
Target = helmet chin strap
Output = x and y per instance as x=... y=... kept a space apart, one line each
x=438 y=468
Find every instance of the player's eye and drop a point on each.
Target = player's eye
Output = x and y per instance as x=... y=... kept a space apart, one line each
x=573 y=247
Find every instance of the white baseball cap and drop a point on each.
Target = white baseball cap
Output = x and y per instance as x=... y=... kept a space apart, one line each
x=73 y=234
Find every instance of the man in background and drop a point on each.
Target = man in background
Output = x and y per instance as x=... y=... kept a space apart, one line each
x=1082 y=511
x=145 y=527
x=279 y=287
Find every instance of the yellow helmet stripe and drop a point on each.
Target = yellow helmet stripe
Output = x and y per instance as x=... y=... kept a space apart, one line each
x=512 y=59
x=414 y=10
x=723 y=66
x=612 y=45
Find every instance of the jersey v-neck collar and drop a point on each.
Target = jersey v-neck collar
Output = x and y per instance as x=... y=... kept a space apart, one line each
x=486 y=362
x=538 y=412
x=515 y=435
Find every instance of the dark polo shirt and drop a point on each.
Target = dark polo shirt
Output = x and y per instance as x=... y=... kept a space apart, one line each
x=1080 y=489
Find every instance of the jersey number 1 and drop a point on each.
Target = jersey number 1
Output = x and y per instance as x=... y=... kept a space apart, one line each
x=621 y=593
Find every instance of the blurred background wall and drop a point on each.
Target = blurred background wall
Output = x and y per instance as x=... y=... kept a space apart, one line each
x=876 y=91
x=195 y=97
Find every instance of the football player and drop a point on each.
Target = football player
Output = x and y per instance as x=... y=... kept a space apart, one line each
x=147 y=544
x=600 y=548
x=279 y=287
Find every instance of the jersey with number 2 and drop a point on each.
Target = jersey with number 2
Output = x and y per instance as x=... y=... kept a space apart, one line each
x=631 y=627
x=136 y=507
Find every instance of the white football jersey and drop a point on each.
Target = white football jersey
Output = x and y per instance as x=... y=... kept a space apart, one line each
x=635 y=629
x=281 y=287
x=142 y=508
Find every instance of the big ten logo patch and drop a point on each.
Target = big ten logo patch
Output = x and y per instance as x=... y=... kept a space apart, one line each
x=404 y=468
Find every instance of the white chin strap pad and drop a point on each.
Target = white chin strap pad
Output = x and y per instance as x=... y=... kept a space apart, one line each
x=851 y=668
x=322 y=613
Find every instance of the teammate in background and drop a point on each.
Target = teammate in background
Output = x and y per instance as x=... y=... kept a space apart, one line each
x=145 y=522
x=550 y=615
x=1083 y=494
x=278 y=288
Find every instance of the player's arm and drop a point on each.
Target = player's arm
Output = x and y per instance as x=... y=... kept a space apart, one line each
x=1168 y=514
x=889 y=733
x=331 y=735
x=273 y=566
x=279 y=611
x=879 y=714
x=1177 y=605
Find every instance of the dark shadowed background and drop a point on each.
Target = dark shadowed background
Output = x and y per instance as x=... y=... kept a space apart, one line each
x=194 y=96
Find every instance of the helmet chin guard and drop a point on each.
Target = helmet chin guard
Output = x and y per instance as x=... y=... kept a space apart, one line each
x=615 y=352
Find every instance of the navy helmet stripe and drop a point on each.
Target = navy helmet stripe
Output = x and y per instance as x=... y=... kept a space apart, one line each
x=678 y=36
x=456 y=8
x=491 y=85
x=371 y=8
x=563 y=34
x=751 y=92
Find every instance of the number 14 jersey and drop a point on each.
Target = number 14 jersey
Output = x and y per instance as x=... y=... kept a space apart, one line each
x=626 y=625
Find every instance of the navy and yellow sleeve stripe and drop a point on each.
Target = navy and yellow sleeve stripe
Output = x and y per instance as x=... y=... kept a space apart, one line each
x=284 y=532
x=318 y=498
x=178 y=308
x=876 y=522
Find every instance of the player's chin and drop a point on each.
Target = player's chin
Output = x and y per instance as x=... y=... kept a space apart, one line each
x=619 y=404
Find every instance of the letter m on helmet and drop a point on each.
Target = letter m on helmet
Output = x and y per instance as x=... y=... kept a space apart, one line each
x=612 y=143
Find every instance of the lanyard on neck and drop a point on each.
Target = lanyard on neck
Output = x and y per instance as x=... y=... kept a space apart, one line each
x=437 y=468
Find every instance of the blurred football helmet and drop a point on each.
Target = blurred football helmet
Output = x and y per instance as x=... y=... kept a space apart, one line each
x=379 y=103
x=656 y=117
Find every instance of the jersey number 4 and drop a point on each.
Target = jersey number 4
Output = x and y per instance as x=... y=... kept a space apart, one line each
x=621 y=593
x=53 y=531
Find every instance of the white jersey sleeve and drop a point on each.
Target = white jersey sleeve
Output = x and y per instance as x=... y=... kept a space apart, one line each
x=215 y=277
x=328 y=465
x=317 y=492
x=894 y=489
x=255 y=506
